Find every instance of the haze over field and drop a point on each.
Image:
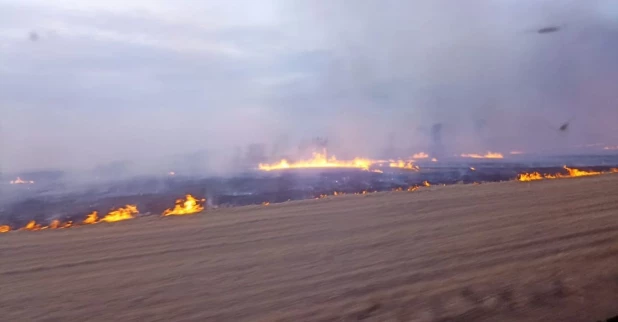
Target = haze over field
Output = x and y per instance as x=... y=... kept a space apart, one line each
x=88 y=83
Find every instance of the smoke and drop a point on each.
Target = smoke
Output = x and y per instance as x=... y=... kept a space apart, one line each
x=152 y=85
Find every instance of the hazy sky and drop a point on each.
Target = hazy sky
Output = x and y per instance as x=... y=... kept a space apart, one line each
x=88 y=82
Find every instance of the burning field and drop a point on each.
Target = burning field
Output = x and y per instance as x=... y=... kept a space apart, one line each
x=50 y=206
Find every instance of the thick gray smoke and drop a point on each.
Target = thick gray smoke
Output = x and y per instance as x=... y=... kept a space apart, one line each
x=220 y=84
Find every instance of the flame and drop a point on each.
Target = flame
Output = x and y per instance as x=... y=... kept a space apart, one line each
x=488 y=155
x=426 y=183
x=319 y=160
x=20 y=181
x=5 y=228
x=377 y=171
x=580 y=173
x=571 y=172
x=55 y=224
x=473 y=168
x=611 y=148
x=434 y=160
x=420 y=155
x=32 y=225
x=128 y=212
x=516 y=152
x=265 y=203
x=171 y=173
x=186 y=207
x=91 y=218
x=404 y=165
x=613 y=170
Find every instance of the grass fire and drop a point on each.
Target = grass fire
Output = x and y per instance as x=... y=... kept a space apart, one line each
x=186 y=206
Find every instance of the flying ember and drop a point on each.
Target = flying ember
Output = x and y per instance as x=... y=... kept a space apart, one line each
x=185 y=207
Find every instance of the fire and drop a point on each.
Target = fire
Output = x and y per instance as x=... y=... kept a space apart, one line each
x=319 y=160
x=473 y=168
x=185 y=207
x=420 y=155
x=32 y=225
x=171 y=173
x=55 y=224
x=91 y=218
x=426 y=183
x=20 y=181
x=530 y=176
x=516 y=152
x=571 y=172
x=5 y=228
x=488 y=155
x=611 y=148
x=580 y=173
x=128 y=212
x=434 y=160
x=404 y=165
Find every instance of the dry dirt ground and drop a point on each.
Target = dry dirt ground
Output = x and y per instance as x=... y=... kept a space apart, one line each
x=540 y=251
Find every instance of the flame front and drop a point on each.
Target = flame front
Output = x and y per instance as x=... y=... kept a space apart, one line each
x=5 y=228
x=91 y=218
x=319 y=160
x=185 y=207
x=488 y=155
x=20 y=181
x=571 y=172
x=128 y=212
x=404 y=165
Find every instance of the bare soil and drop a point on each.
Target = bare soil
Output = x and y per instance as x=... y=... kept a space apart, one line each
x=539 y=251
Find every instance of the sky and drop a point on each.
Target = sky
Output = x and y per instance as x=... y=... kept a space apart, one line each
x=84 y=83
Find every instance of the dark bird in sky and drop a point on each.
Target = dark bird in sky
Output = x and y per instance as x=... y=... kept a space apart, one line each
x=564 y=126
x=547 y=30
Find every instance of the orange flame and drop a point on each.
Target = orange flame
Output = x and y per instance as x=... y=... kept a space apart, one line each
x=186 y=207
x=32 y=225
x=426 y=183
x=91 y=218
x=128 y=212
x=5 y=228
x=404 y=165
x=580 y=173
x=488 y=155
x=571 y=173
x=20 y=181
x=319 y=160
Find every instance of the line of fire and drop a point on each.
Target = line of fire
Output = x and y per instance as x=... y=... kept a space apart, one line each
x=43 y=203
